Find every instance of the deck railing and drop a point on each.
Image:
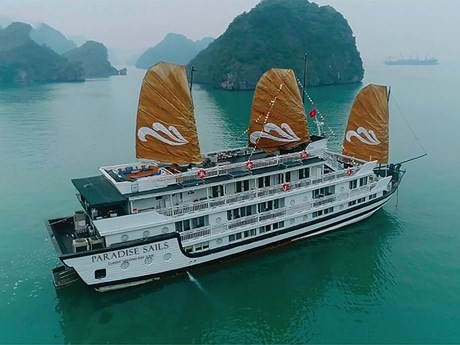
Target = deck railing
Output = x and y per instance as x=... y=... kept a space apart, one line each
x=262 y=218
x=248 y=195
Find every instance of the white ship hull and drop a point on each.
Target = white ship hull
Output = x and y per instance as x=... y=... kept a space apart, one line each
x=165 y=257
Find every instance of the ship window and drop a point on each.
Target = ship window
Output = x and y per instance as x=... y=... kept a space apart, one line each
x=360 y=200
x=372 y=196
x=317 y=213
x=99 y=274
x=304 y=173
x=353 y=184
x=188 y=249
x=278 y=178
x=319 y=193
x=265 y=228
x=217 y=191
x=288 y=176
x=352 y=203
x=363 y=181
x=183 y=225
x=329 y=210
x=242 y=186
x=263 y=181
x=278 y=225
x=269 y=205
x=249 y=233
x=235 y=237
x=201 y=246
x=198 y=222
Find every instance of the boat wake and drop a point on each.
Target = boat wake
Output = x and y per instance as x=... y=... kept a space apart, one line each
x=195 y=281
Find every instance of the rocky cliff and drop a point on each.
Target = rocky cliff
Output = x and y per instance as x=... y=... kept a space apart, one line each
x=173 y=48
x=23 y=60
x=278 y=33
x=93 y=57
x=52 y=38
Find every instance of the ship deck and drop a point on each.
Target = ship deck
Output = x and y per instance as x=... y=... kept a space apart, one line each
x=62 y=233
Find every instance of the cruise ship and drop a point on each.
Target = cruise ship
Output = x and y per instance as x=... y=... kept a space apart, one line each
x=178 y=209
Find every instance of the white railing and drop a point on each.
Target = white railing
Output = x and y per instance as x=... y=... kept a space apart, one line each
x=248 y=195
x=167 y=178
x=262 y=218
x=246 y=221
x=197 y=233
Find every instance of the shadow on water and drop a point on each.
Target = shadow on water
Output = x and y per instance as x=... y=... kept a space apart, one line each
x=273 y=296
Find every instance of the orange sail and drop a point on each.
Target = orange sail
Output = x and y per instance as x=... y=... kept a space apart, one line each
x=166 y=129
x=278 y=117
x=366 y=136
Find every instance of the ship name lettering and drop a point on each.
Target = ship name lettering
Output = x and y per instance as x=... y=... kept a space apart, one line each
x=115 y=255
x=155 y=247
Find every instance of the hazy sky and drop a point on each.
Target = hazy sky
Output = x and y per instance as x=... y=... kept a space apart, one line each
x=382 y=27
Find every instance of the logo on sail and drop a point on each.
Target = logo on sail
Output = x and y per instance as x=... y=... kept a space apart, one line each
x=370 y=137
x=174 y=136
x=287 y=135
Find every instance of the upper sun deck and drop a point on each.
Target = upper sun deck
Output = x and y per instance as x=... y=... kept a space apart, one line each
x=145 y=177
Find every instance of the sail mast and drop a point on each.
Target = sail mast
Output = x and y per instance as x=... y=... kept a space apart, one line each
x=304 y=78
x=191 y=78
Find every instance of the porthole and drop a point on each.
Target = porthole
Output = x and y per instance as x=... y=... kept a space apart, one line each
x=292 y=221
x=165 y=230
x=124 y=238
x=292 y=202
x=124 y=265
x=219 y=241
x=342 y=189
x=148 y=260
x=146 y=234
x=99 y=274
x=305 y=217
x=167 y=256
x=218 y=220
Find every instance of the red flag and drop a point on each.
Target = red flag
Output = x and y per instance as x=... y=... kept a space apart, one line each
x=313 y=113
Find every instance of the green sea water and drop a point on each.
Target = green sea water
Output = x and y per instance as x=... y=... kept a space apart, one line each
x=394 y=278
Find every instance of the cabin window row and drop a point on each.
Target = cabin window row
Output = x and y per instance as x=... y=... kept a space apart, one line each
x=189 y=224
x=241 y=235
x=361 y=200
x=240 y=212
x=250 y=210
x=323 y=212
x=197 y=247
x=362 y=182
x=321 y=192
x=270 y=227
x=261 y=182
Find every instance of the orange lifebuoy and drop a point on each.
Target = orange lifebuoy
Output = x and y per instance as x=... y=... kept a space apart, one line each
x=249 y=165
x=202 y=173
x=349 y=172
x=286 y=187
